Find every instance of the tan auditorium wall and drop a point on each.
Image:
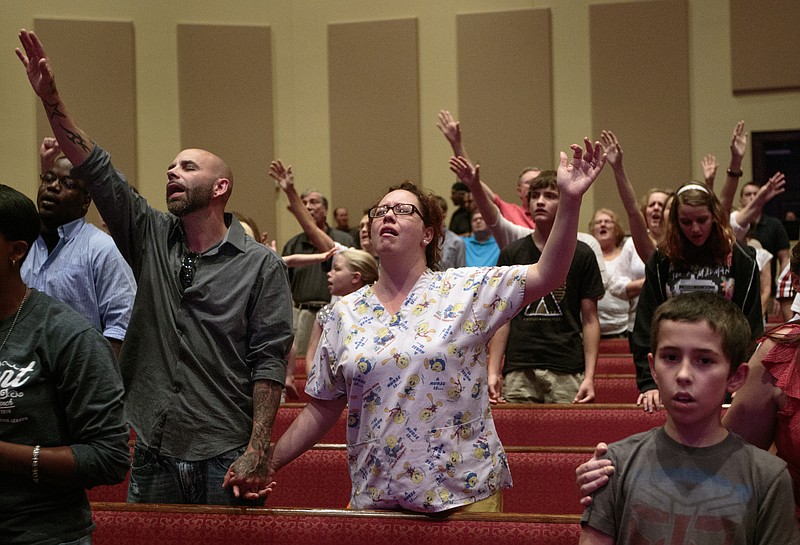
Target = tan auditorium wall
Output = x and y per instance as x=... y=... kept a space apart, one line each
x=296 y=35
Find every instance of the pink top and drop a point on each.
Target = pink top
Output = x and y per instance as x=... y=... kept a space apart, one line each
x=515 y=213
x=781 y=363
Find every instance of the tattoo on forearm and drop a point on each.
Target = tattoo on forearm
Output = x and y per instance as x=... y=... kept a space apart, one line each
x=76 y=139
x=53 y=110
x=266 y=399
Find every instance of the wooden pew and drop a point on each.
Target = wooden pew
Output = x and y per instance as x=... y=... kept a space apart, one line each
x=615 y=364
x=615 y=388
x=530 y=424
x=544 y=480
x=143 y=524
x=524 y=426
x=614 y=346
x=609 y=388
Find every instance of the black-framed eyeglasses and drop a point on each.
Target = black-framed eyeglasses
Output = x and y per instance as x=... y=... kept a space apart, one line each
x=188 y=268
x=67 y=182
x=399 y=209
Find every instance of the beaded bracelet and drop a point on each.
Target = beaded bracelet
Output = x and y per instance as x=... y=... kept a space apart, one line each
x=35 y=464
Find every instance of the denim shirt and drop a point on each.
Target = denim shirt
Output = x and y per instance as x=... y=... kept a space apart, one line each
x=86 y=271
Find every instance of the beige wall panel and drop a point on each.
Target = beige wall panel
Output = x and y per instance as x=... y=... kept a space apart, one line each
x=642 y=94
x=765 y=40
x=505 y=93
x=374 y=110
x=225 y=96
x=95 y=72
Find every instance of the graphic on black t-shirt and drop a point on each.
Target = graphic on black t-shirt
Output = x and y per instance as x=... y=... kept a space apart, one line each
x=709 y=279
x=547 y=306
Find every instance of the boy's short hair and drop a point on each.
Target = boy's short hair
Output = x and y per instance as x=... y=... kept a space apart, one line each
x=546 y=180
x=741 y=191
x=722 y=316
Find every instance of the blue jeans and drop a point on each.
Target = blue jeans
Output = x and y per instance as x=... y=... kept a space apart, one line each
x=163 y=479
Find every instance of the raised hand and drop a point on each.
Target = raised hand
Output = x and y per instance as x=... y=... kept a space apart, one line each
x=576 y=176
x=450 y=128
x=774 y=187
x=611 y=148
x=471 y=176
x=74 y=142
x=709 y=163
x=282 y=175
x=739 y=141
x=37 y=65
x=48 y=152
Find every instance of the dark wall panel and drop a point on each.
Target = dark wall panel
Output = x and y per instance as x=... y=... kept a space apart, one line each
x=225 y=86
x=374 y=109
x=641 y=92
x=95 y=70
x=505 y=93
x=765 y=39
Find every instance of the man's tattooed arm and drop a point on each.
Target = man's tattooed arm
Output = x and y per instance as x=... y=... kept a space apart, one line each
x=76 y=139
x=249 y=475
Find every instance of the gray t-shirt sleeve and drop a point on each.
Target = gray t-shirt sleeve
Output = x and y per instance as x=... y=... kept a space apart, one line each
x=90 y=388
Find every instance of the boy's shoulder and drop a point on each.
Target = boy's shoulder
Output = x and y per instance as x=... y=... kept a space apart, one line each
x=764 y=464
x=625 y=449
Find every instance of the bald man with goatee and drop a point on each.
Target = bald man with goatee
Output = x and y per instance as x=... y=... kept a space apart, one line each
x=204 y=358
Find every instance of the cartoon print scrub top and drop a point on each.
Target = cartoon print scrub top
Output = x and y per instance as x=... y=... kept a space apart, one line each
x=420 y=432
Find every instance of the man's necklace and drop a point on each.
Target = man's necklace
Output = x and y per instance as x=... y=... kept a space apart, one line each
x=16 y=317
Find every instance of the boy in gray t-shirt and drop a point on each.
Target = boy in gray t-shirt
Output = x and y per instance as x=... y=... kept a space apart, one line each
x=693 y=481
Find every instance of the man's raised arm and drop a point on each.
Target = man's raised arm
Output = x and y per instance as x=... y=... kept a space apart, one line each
x=284 y=177
x=451 y=129
x=75 y=143
x=752 y=210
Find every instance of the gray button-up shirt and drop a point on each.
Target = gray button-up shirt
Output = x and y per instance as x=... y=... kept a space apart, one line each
x=190 y=357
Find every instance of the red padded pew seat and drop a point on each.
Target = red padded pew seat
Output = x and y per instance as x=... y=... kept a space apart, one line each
x=609 y=388
x=544 y=480
x=615 y=388
x=619 y=364
x=532 y=425
x=123 y=524
x=614 y=346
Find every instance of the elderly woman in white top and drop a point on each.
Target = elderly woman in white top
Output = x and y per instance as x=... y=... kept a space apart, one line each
x=615 y=306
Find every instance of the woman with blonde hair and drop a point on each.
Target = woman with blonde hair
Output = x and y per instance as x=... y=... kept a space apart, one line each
x=613 y=309
x=351 y=270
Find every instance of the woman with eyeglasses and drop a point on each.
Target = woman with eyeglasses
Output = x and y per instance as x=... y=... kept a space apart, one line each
x=62 y=427
x=406 y=356
x=614 y=308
